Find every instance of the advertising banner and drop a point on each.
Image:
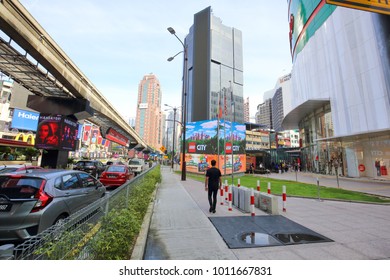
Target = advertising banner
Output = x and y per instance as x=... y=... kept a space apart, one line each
x=56 y=132
x=221 y=140
x=25 y=120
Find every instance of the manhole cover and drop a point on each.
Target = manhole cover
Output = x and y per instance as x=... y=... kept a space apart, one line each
x=257 y=238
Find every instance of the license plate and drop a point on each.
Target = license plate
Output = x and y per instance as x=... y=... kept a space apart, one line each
x=5 y=207
x=111 y=176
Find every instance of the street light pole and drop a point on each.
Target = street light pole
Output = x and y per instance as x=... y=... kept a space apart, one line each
x=184 y=96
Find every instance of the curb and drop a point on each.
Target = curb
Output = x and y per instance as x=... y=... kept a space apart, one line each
x=140 y=244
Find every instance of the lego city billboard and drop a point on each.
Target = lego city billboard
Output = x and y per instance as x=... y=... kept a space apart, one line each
x=221 y=140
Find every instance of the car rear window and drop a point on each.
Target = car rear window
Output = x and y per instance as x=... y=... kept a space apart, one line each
x=8 y=169
x=19 y=187
x=116 y=168
x=134 y=162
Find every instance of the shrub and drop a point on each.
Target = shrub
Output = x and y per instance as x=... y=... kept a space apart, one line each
x=121 y=226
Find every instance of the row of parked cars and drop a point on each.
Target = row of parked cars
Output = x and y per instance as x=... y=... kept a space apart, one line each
x=33 y=198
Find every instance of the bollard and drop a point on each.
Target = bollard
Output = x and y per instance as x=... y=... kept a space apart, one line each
x=252 y=202
x=230 y=198
x=284 y=198
x=221 y=194
x=238 y=184
x=226 y=190
x=318 y=189
x=269 y=187
x=258 y=185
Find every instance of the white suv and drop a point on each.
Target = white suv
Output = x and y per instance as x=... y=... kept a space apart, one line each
x=136 y=165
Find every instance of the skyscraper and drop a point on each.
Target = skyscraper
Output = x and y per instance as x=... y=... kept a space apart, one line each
x=246 y=110
x=148 y=120
x=214 y=70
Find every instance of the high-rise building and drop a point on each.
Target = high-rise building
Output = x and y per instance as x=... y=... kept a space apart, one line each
x=214 y=77
x=341 y=87
x=148 y=119
x=264 y=113
x=246 y=110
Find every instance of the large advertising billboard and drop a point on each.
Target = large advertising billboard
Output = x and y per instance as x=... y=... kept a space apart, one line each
x=56 y=132
x=25 y=120
x=221 y=140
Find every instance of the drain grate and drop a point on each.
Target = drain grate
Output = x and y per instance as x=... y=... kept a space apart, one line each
x=264 y=231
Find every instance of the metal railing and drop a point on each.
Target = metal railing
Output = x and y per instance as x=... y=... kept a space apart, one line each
x=71 y=239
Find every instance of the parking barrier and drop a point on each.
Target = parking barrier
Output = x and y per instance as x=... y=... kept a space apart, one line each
x=252 y=202
x=226 y=190
x=222 y=195
x=284 y=198
x=269 y=187
x=238 y=184
x=258 y=185
x=230 y=198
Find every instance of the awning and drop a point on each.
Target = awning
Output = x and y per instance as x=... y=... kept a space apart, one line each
x=292 y=119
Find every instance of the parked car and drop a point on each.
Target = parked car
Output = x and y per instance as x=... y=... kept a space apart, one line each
x=32 y=202
x=93 y=167
x=17 y=168
x=136 y=165
x=115 y=175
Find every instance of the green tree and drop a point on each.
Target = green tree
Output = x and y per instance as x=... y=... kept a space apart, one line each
x=30 y=153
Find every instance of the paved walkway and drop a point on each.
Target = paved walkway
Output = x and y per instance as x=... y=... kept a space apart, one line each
x=180 y=228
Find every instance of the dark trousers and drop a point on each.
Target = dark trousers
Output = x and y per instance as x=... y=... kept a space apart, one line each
x=212 y=194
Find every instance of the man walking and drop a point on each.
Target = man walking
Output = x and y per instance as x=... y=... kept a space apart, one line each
x=212 y=183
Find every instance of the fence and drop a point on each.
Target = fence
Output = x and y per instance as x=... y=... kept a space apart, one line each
x=71 y=239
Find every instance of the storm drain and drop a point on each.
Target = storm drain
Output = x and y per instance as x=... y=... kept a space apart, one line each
x=264 y=231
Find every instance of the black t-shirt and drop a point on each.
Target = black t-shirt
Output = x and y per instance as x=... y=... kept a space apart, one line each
x=214 y=174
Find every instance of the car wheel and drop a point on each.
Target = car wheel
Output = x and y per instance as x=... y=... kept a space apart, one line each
x=60 y=219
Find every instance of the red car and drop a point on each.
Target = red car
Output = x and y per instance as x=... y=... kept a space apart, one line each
x=115 y=175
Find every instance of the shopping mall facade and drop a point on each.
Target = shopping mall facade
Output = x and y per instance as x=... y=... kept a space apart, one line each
x=341 y=88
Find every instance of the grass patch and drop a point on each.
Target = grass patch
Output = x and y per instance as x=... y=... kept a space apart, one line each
x=299 y=189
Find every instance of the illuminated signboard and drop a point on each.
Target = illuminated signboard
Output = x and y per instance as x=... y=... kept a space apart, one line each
x=56 y=132
x=116 y=137
x=25 y=120
x=377 y=6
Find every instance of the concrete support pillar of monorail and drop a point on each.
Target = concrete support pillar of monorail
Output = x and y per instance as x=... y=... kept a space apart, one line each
x=54 y=159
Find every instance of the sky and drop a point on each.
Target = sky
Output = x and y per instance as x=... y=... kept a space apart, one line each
x=115 y=43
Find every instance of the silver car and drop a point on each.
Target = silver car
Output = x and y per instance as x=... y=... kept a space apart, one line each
x=32 y=202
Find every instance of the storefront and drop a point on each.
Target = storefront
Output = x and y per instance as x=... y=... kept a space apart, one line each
x=363 y=155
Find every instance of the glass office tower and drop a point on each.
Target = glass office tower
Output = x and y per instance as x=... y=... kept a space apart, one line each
x=214 y=77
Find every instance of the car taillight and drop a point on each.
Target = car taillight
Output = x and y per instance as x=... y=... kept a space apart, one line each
x=43 y=198
x=103 y=175
x=122 y=176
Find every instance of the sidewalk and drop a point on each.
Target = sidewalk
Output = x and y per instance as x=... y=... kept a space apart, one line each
x=180 y=228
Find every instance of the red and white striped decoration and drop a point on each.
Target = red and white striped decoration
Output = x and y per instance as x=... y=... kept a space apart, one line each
x=269 y=188
x=238 y=184
x=252 y=202
x=226 y=190
x=230 y=198
x=284 y=198
x=221 y=194
x=258 y=185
